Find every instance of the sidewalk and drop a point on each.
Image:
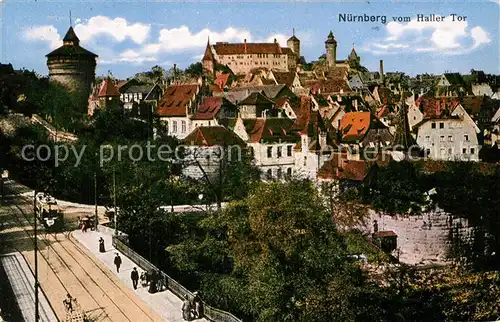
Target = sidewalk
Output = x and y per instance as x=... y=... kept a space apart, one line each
x=165 y=303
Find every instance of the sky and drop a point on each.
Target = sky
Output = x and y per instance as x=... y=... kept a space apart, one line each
x=131 y=37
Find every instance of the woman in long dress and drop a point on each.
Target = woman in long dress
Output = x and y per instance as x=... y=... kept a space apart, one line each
x=101 y=245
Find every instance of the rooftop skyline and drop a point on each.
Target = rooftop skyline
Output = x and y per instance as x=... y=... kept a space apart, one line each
x=130 y=37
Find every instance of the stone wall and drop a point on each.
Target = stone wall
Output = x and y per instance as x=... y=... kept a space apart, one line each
x=422 y=239
x=76 y=76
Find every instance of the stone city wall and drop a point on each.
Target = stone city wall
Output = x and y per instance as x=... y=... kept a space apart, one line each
x=422 y=239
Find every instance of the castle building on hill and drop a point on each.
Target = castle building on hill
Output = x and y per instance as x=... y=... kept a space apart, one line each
x=241 y=58
x=73 y=67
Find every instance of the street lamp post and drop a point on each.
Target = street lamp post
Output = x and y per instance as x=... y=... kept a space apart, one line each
x=95 y=200
x=37 y=314
x=114 y=202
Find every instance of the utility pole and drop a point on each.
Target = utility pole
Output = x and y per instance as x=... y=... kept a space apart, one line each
x=95 y=200
x=37 y=314
x=114 y=202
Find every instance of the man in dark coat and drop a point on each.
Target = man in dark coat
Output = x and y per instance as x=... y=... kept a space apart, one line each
x=118 y=262
x=134 y=275
x=153 y=282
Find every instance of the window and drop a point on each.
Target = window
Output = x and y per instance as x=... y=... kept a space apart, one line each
x=450 y=138
x=472 y=150
x=140 y=96
x=305 y=161
x=279 y=152
x=289 y=172
x=279 y=173
x=174 y=127
x=450 y=151
x=464 y=151
x=270 y=152
x=427 y=138
x=441 y=138
x=269 y=174
x=289 y=150
x=433 y=125
x=442 y=151
x=466 y=137
x=183 y=126
x=441 y=125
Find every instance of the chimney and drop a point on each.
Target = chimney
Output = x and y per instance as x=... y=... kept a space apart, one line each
x=175 y=73
x=245 y=41
x=275 y=41
x=382 y=70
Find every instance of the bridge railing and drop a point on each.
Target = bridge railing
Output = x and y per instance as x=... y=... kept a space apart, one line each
x=175 y=287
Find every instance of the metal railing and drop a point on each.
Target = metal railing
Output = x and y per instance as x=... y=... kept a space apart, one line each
x=175 y=287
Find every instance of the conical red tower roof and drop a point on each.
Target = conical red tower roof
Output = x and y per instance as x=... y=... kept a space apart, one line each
x=208 y=53
x=108 y=88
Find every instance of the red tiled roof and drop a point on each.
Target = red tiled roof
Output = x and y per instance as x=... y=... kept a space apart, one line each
x=120 y=84
x=270 y=130
x=280 y=102
x=303 y=113
x=328 y=86
x=247 y=48
x=108 y=88
x=221 y=80
x=431 y=106
x=209 y=108
x=212 y=136
x=472 y=104
x=286 y=78
x=216 y=89
x=342 y=169
x=354 y=125
x=176 y=99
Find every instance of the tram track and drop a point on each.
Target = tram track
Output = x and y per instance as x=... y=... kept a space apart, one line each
x=90 y=284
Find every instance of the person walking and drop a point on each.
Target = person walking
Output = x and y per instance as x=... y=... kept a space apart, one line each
x=134 y=275
x=101 y=245
x=198 y=305
x=118 y=262
x=186 y=308
x=68 y=303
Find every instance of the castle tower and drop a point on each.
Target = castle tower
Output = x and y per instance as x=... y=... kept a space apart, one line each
x=353 y=56
x=294 y=44
x=208 y=61
x=331 y=50
x=73 y=67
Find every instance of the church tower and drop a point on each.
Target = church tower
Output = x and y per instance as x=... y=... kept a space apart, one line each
x=294 y=44
x=331 y=50
x=73 y=67
x=208 y=61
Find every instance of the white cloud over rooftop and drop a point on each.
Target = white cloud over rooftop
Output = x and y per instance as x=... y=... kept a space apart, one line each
x=445 y=37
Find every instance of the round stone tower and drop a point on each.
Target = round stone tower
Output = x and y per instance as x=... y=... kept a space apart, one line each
x=73 y=67
x=294 y=44
x=331 y=50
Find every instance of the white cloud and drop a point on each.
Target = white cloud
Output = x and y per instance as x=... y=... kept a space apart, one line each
x=129 y=56
x=47 y=33
x=445 y=37
x=182 y=39
x=118 y=29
